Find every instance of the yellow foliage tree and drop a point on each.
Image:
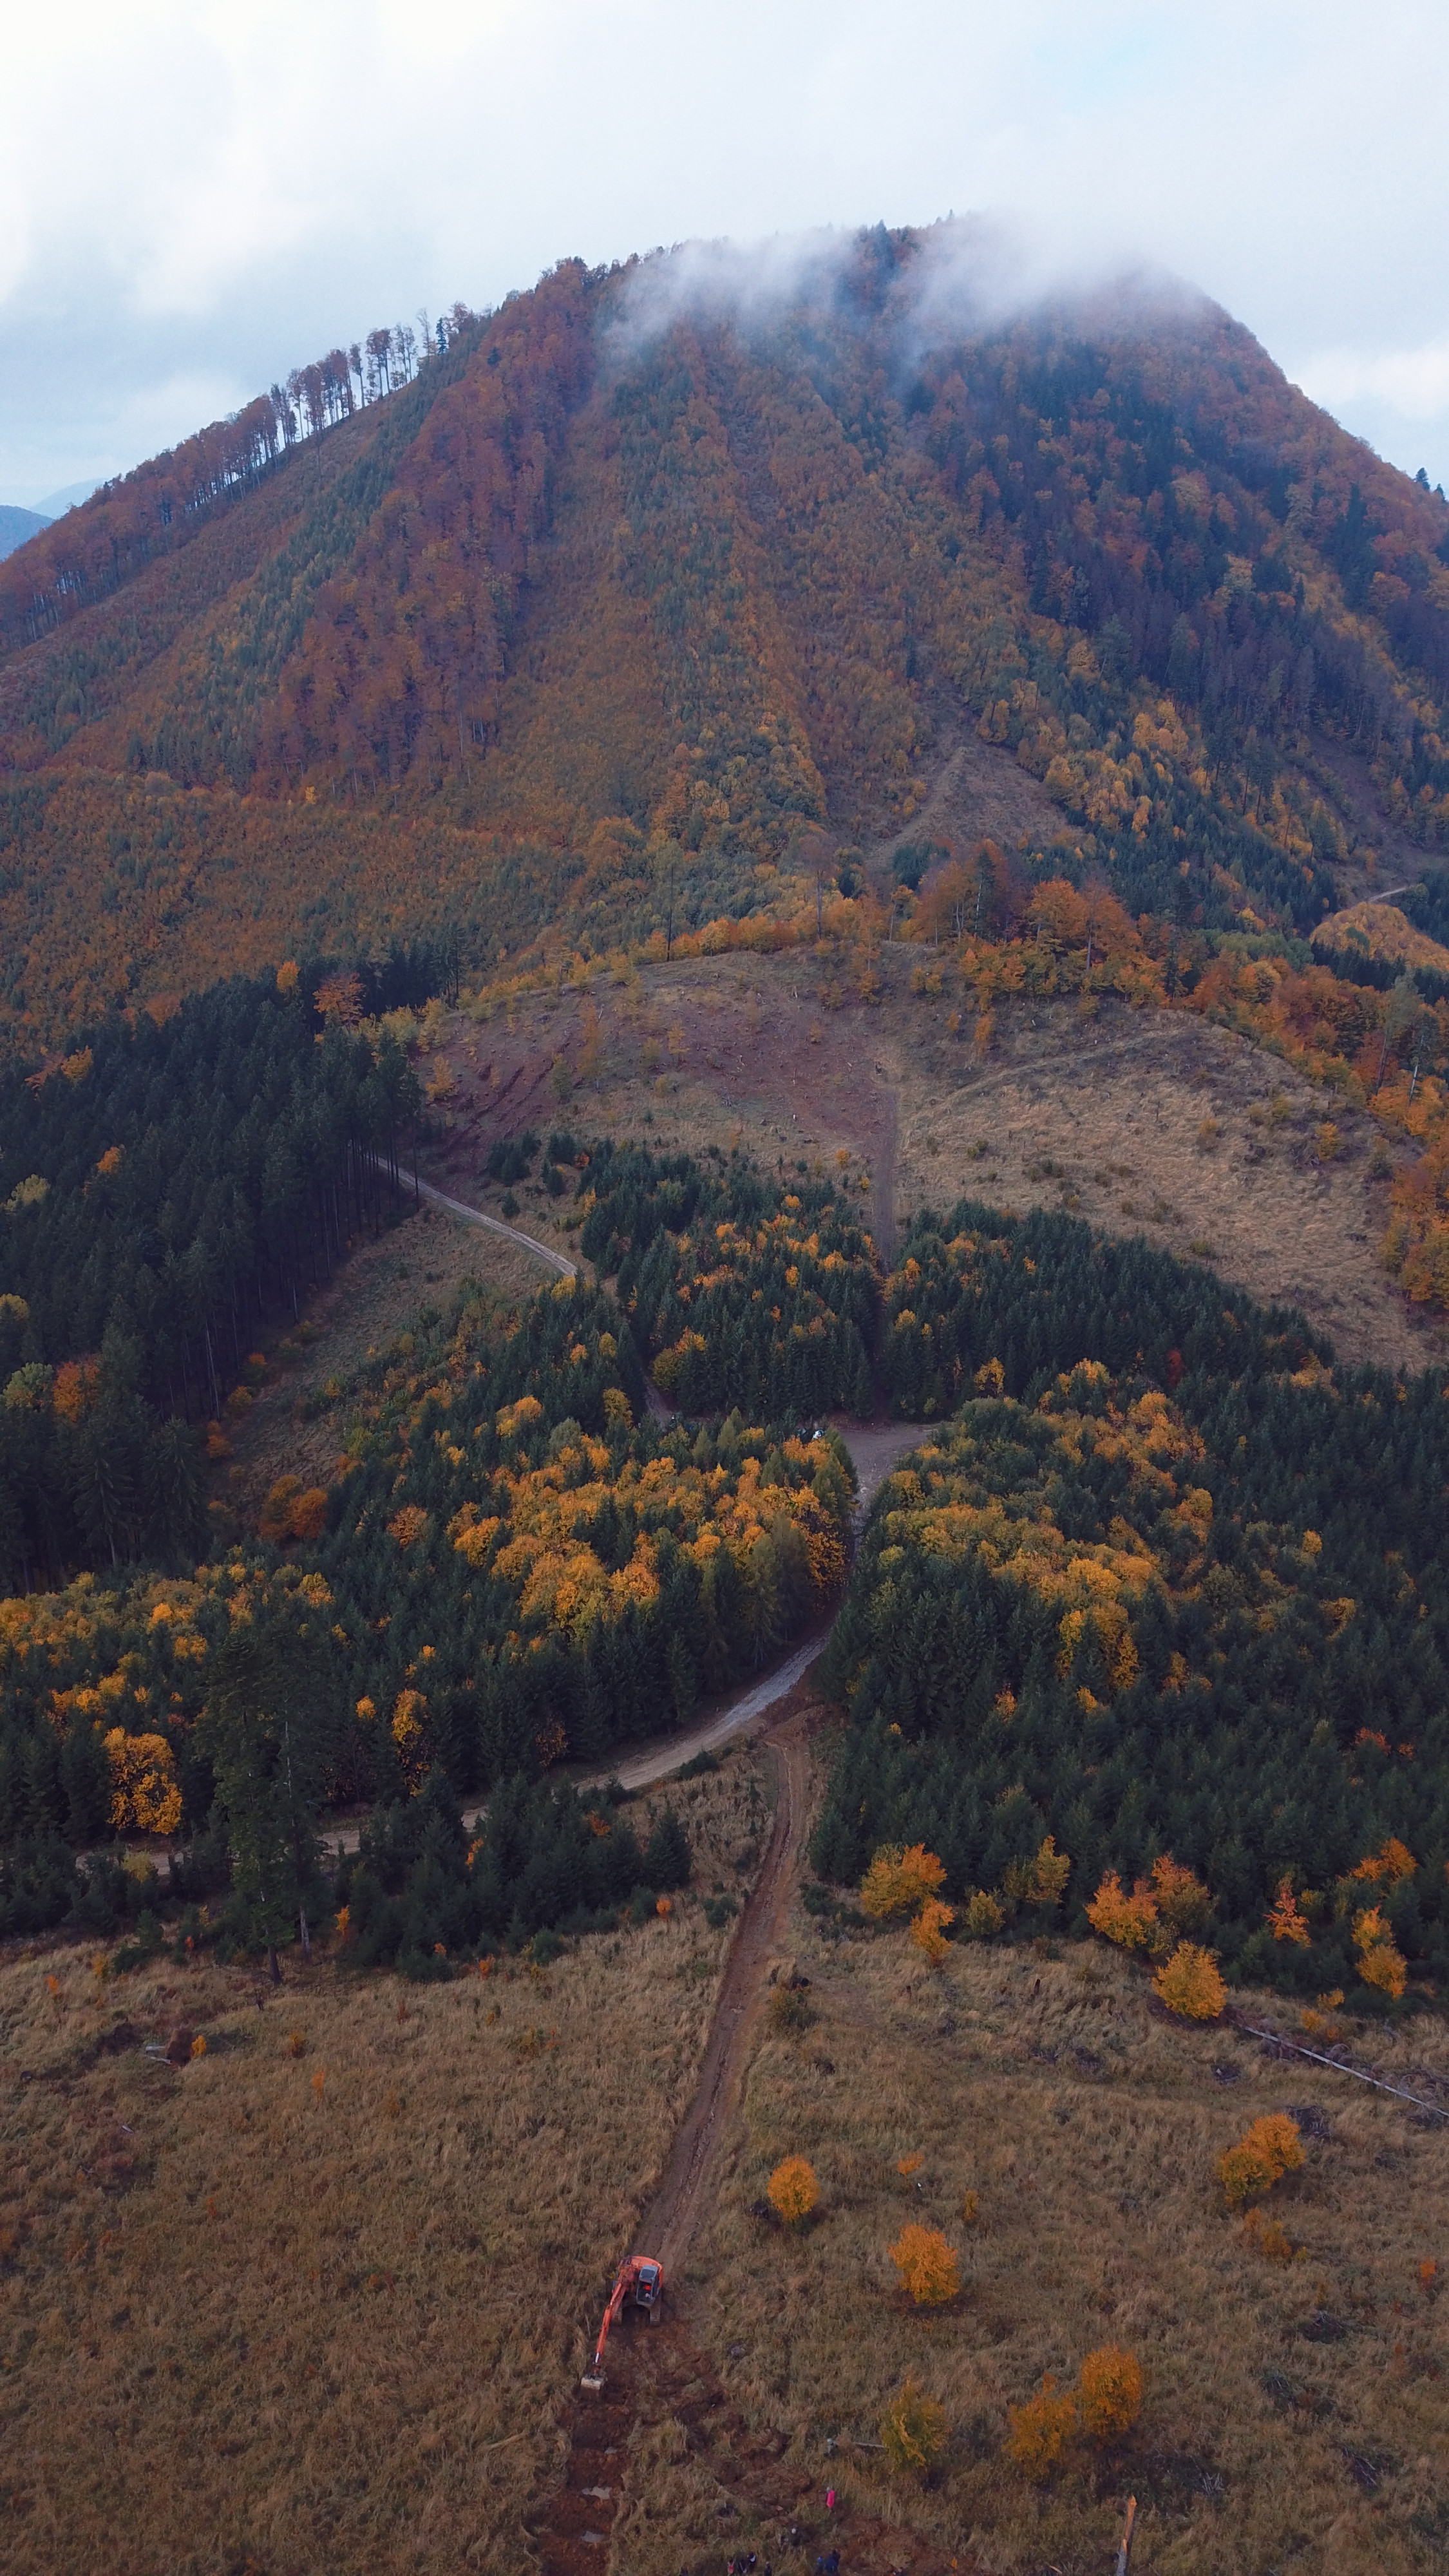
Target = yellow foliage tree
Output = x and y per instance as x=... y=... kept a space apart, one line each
x=145 y=1795
x=1042 y=1879
x=1130 y=1921
x=1189 y=1984
x=913 y=2429
x=1265 y=2152
x=1042 y=2430
x=1380 y=1963
x=984 y=1915
x=1109 y=2392
x=927 y=2265
x=792 y=2189
x=898 y=1881
x=1050 y=1871
x=409 y=1717
x=929 y=1929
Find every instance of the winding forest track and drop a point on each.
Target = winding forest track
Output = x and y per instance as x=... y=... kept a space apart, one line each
x=556 y=1261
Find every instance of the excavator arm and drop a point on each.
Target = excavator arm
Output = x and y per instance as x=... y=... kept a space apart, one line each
x=640 y=2277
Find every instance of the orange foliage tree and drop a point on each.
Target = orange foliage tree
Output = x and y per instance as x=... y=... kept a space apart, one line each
x=1189 y=1984
x=927 y=2265
x=1380 y=1962
x=1271 y=2148
x=792 y=2190
x=1285 y=1918
x=145 y=1793
x=1109 y=2392
x=1042 y=2431
x=929 y=1929
x=898 y=1881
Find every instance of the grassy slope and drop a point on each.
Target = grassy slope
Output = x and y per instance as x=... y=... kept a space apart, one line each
x=1103 y=1115
x=1087 y=2125
x=279 y=2310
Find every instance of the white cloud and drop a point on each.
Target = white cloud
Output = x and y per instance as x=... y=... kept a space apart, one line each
x=1412 y=381
x=192 y=193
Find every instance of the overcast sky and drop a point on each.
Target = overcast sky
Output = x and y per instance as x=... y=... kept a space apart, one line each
x=196 y=197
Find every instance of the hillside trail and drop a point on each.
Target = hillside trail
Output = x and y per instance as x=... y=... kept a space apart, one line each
x=659 y=2378
x=513 y=1234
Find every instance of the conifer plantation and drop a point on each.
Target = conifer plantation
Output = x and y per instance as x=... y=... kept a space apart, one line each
x=1163 y=1583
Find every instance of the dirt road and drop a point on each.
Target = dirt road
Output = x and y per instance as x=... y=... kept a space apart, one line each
x=668 y=2223
x=663 y=2380
x=558 y=1261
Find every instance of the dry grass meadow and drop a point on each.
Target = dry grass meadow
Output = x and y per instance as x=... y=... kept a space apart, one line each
x=1295 y=2411
x=310 y=2303
x=318 y=2303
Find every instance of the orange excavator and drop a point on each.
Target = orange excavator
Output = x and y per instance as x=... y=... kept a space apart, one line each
x=639 y=2282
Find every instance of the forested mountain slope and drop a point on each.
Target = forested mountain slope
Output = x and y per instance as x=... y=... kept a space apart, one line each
x=612 y=599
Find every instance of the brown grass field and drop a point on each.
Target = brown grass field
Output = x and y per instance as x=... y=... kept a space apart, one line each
x=290 y=2312
x=1294 y=2414
x=311 y=2307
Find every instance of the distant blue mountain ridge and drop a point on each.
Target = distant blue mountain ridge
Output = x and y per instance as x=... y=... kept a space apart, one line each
x=17 y=525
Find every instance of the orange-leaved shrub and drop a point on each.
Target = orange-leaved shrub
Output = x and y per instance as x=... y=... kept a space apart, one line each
x=1189 y=1984
x=927 y=2265
x=1161 y=1909
x=1266 y=2151
x=898 y=1881
x=1130 y=1921
x=1104 y=2405
x=792 y=2190
x=1042 y=2431
x=929 y=1928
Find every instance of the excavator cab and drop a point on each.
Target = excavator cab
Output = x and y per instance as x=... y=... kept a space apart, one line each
x=649 y=2288
x=639 y=2282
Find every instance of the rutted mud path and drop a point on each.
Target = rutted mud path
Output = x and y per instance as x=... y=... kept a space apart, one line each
x=659 y=2374
x=581 y=2513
